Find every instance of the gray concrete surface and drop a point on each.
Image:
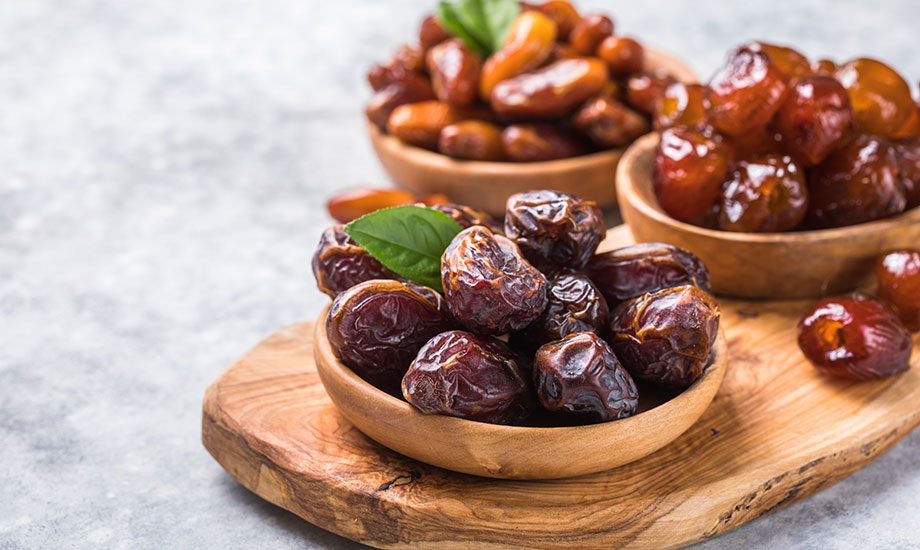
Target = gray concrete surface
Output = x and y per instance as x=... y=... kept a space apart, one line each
x=163 y=166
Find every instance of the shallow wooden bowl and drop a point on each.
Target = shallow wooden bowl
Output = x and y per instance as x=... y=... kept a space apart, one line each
x=761 y=265
x=487 y=185
x=512 y=452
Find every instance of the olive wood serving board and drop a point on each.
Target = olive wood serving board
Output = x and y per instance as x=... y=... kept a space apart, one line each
x=777 y=432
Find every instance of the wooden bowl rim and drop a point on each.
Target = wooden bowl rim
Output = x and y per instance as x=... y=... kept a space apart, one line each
x=656 y=59
x=708 y=382
x=628 y=190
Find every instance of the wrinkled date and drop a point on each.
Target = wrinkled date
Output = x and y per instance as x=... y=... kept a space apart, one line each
x=908 y=154
x=814 y=118
x=554 y=229
x=666 y=337
x=580 y=376
x=489 y=287
x=643 y=268
x=898 y=274
x=763 y=194
x=550 y=92
x=855 y=337
x=468 y=217
x=575 y=305
x=339 y=263
x=377 y=327
x=474 y=377
x=746 y=92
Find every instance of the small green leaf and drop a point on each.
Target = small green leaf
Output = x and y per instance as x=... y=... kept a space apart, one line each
x=448 y=17
x=408 y=240
x=482 y=24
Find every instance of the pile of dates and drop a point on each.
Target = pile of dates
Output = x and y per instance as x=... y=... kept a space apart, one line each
x=862 y=337
x=533 y=326
x=777 y=143
x=562 y=85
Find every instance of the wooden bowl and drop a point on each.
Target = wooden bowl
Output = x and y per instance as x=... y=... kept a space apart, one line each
x=487 y=185
x=511 y=452
x=761 y=265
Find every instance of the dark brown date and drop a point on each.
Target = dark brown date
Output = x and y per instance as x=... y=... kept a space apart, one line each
x=454 y=70
x=855 y=337
x=575 y=305
x=488 y=285
x=339 y=263
x=539 y=142
x=644 y=268
x=474 y=377
x=665 y=337
x=856 y=183
x=589 y=32
x=746 y=92
x=468 y=217
x=898 y=274
x=814 y=118
x=908 y=155
x=551 y=92
x=609 y=123
x=579 y=376
x=553 y=229
x=764 y=194
x=645 y=90
x=472 y=140
x=377 y=327
x=410 y=90
x=408 y=62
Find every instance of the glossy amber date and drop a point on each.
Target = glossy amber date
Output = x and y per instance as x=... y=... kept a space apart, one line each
x=354 y=203
x=666 y=337
x=589 y=32
x=623 y=55
x=763 y=194
x=550 y=92
x=339 y=263
x=898 y=274
x=911 y=127
x=609 y=123
x=454 y=70
x=825 y=67
x=575 y=305
x=472 y=140
x=468 y=217
x=682 y=105
x=908 y=155
x=467 y=376
x=563 y=13
x=580 y=377
x=553 y=229
x=539 y=142
x=645 y=90
x=855 y=337
x=746 y=92
x=814 y=118
x=489 y=287
x=790 y=62
x=431 y=32
x=856 y=183
x=420 y=124
x=384 y=102
x=644 y=268
x=689 y=167
x=880 y=96
x=377 y=327
x=529 y=43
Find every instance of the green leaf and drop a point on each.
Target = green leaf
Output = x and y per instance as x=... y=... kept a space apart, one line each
x=408 y=240
x=482 y=24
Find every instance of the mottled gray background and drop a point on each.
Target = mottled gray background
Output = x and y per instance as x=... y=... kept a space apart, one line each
x=163 y=166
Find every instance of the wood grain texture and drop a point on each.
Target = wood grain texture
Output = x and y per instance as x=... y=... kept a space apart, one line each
x=487 y=185
x=776 y=432
x=761 y=265
x=515 y=452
